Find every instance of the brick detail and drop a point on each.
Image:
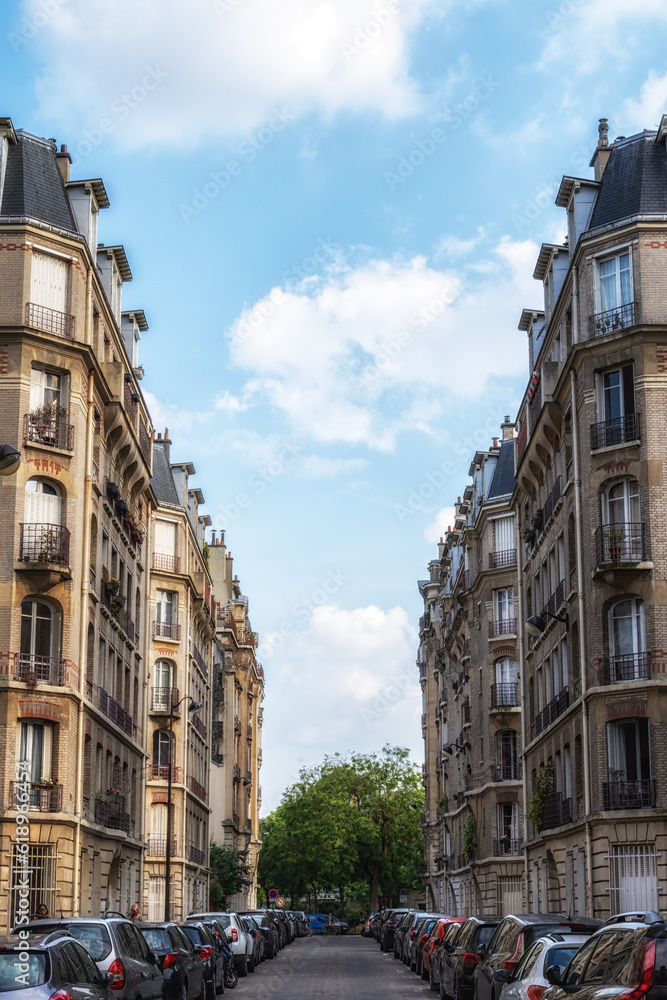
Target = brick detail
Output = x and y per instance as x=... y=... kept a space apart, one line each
x=4 y=359
x=661 y=358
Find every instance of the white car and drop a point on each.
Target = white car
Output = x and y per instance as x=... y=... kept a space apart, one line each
x=240 y=941
x=528 y=981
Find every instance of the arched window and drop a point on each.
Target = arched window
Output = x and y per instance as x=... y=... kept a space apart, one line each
x=505 y=689
x=161 y=753
x=622 y=534
x=36 y=745
x=628 y=659
x=42 y=502
x=40 y=641
x=507 y=768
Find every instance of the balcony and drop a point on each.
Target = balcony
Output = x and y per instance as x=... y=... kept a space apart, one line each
x=167 y=630
x=113 y=711
x=195 y=855
x=498 y=560
x=557 y=811
x=110 y=815
x=551 y=501
x=629 y=794
x=197 y=789
x=620 y=543
x=115 y=605
x=40 y=797
x=226 y=620
x=49 y=321
x=162 y=699
x=504 y=695
x=509 y=771
x=632 y=667
x=160 y=772
x=32 y=669
x=550 y=713
x=156 y=846
x=199 y=660
x=198 y=725
x=619 y=318
x=45 y=543
x=166 y=563
x=502 y=626
x=49 y=431
x=620 y=430
x=506 y=846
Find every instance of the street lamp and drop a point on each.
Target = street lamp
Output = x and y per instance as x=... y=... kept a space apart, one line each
x=194 y=706
x=536 y=625
x=10 y=459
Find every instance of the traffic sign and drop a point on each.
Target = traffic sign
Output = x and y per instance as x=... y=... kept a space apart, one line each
x=273 y=893
x=403 y=892
x=280 y=901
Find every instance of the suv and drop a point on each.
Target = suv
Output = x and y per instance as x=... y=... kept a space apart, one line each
x=626 y=957
x=389 y=927
x=117 y=946
x=529 y=981
x=514 y=935
x=182 y=968
x=399 y=932
x=456 y=961
x=55 y=965
x=269 y=931
x=239 y=939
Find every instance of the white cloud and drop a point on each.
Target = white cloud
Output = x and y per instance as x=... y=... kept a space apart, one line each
x=363 y=353
x=318 y=467
x=649 y=109
x=345 y=682
x=434 y=531
x=224 y=66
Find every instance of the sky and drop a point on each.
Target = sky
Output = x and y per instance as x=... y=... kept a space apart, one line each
x=332 y=211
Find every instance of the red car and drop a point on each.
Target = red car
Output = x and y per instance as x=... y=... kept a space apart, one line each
x=434 y=940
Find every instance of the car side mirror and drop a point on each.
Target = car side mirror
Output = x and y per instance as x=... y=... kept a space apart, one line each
x=152 y=958
x=502 y=976
x=106 y=978
x=553 y=976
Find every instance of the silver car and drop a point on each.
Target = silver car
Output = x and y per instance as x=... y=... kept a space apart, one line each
x=528 y=981
x=240 y=941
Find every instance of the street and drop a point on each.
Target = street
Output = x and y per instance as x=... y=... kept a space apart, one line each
x=344 y=968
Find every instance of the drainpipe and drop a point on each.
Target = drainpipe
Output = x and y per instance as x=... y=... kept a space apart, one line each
x=83 y=640
x=583 y=667
x=524 y=700
x=575 y=306
x=143 y=795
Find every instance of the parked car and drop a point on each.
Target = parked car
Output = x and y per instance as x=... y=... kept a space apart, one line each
x=528 y=981
x=55 y=964
x=252 y=927
x=512 y=937
x=117 y=946
x=389 y=927
x=410 y=931
x=421 y=936
x=319 y=922
x=344 y=927
x=626 y=958
x=443 y=947
x=457 y=962
x=203 y=941
x=239 y=940
x=268 y=929
x=399 y=932
x=438 y=931
x=182 y=968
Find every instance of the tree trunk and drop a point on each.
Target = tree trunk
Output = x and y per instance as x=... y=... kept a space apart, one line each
x=375 y=888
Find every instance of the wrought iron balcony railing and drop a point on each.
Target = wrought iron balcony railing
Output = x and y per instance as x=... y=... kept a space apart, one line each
x=49 y=321
x=166 y=630
x=509 y=771
x=50 y=431
x=502 y=626
x=550 y=712
x=156 y=845
x=620 y=430
x=29 y=668
x=45 y=543
x=160 y=772
x=162 y=699
x=638 y=794
x=621 y=542
x=497 y=560
x=505 y=695
x=506 y=845
x=166 y=563
x=40 y=797
x=618 y=318
x=632 y=667
x=195 y=855
x=197 y=789
x=557 y=811
x=108 y=815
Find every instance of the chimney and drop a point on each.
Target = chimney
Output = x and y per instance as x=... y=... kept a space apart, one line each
x=507 y=427
x=495 y=443
x=64 y=161
x=603 y=149
x=167 y=444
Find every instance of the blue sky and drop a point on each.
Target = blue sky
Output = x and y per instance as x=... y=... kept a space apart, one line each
x=332 y=211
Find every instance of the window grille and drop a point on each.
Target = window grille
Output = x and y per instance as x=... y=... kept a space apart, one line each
x=510 y=895
x=633 y=878
x=40 y=872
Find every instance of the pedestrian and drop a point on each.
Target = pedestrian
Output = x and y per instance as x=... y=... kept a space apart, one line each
x=42 y=911
x=135 y=912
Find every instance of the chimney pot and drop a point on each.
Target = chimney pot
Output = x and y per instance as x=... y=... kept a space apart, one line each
x=495 y=442
x=602 y=150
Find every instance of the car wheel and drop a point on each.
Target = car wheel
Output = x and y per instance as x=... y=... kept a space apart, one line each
x=251 y=964
x=231 y=978
x=423 y=973
x=242 y=967
x=434 y=987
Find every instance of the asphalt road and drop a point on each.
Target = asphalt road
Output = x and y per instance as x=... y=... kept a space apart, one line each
x=348 y=967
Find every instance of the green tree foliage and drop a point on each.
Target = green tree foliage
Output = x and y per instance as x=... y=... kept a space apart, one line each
x=353 y=818
x=229 y=873
x=543 y=787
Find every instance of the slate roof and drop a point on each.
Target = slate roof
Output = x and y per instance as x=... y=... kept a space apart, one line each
x=163 y=481
x=503 y=481
x=33 y=183
x=634 y=181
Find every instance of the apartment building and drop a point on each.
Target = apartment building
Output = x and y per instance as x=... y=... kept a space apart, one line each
x=73 y=558
x=473 y=821
x=238 y=714
x=590 y=504
x=181 y=613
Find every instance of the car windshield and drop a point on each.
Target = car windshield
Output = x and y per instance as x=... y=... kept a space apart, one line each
x=33 y=972
x=157 y=938
x=560 y=956
x=94 y=938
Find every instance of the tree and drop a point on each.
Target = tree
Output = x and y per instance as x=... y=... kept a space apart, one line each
x=229 y=873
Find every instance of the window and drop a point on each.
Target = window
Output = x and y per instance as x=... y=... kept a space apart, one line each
x=614 y=282
x=40 y=640
x=633 y=878
x=506 y=818
x=503 y=534
x=38 y=867
x=508 y=767
x=35 y=747
x=627 y=640
x=164 y=676
x=42 y=502
x=597 y=965
x=160 y=748
x=167 y=606
x=628 y=750
x=618 y=421
x=505 y=690
x=165 y=546
x=48 y=282
x=504 y=604
x=621 y=537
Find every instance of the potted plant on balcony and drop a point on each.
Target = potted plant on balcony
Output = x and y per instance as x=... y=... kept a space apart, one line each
x=615 y=540
x=46 y=783
x=113 y=586
x=545 y=783
x=469 y=836
x=100 y=796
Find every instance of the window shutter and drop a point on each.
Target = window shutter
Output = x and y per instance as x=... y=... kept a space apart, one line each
x=165 y=538
x=628 y=376
x=504 y=534
x=48 y=282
